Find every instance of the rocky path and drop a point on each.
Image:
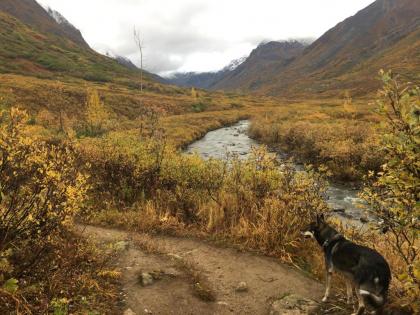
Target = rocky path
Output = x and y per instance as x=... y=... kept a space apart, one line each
x=170 y=275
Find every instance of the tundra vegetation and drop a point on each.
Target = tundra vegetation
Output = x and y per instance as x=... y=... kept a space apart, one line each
x=91 y=166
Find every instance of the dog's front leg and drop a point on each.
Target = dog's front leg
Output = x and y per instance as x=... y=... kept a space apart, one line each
x=327 y=285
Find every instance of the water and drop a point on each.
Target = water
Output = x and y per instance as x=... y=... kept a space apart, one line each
x=226 y=141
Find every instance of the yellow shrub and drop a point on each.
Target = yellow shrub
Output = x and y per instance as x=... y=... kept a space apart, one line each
x=40 y=186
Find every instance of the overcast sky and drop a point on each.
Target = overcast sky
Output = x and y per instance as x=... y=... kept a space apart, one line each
x=198 y=35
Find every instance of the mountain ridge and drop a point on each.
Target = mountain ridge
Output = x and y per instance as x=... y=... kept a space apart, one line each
x=32 y=13
x=262 y=56
x=40 y=42
x=373 y=37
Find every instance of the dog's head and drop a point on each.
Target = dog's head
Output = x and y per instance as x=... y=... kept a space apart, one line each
x=314 y=228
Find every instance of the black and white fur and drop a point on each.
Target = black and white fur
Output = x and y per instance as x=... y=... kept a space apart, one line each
x=365 y=270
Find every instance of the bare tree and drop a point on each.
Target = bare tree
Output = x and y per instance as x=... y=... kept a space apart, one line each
x=139 y=44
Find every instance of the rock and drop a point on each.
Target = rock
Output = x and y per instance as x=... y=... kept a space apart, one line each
x=174 y=256
x=341 y=210
x=236 y=135
x=242 y=287
x=146 y=279
x=364 y=219
x=293 y=305
x=129 y=312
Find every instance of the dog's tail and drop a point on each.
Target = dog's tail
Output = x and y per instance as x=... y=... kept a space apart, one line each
x=376 y=301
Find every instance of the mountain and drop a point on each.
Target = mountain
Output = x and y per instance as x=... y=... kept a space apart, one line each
x=69 y=29
x=270 y=56
x=43 y=66
x=242 y=73
x=126 y=62
x=45 y=20
x=386 y=34
x=204 y=80
x=42 y=43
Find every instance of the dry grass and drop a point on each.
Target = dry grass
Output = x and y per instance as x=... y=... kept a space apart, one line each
x=338 y=134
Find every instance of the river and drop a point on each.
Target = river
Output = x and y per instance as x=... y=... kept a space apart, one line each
x=342 y=199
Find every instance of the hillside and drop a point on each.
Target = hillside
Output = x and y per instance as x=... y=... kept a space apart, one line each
x=272 y=56
x=42 y=67
x=31 y=13
x=348 y=56
x=27 y=50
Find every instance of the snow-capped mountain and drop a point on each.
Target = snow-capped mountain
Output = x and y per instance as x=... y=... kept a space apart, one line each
x=235 y=64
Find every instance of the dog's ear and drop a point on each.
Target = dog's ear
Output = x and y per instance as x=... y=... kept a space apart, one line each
x=320 y=219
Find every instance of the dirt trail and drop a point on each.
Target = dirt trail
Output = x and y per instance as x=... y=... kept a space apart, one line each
x=224 y=268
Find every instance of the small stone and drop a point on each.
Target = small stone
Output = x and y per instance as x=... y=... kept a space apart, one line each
x=364 y=219
x=242 y=287
x=174 y=256
x=129 y=312
x=146 y=279
x=293 y=305
x=172 y=272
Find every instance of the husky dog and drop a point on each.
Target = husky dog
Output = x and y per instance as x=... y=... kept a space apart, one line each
x=365 y=270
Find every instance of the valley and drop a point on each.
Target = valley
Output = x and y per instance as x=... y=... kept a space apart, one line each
x=124 y=191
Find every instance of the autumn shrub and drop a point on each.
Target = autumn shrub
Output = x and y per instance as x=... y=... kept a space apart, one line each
x=96 y=121
x=199 y=107
x=264 y=205
x=40 y=191
x=393 y=193
x=69 y=275
x=122 y=177
x=349 y=147
x=253 y=202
